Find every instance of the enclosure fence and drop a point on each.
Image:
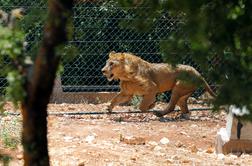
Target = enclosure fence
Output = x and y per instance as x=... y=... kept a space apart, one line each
x=99 y=27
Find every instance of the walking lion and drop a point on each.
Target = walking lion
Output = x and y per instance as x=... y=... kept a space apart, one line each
x=141 y=78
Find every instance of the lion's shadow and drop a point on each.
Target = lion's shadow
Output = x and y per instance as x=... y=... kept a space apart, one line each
x=165 y=119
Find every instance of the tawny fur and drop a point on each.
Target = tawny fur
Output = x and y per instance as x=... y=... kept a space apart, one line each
x=139 y=77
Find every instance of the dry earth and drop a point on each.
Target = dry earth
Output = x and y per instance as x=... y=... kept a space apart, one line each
x=129 y=139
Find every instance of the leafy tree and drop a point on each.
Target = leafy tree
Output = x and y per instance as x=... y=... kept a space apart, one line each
x=32 y=84
x=218 y=32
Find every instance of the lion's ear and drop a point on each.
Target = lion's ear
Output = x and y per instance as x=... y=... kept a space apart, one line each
x=121 y=56
x=111 y=53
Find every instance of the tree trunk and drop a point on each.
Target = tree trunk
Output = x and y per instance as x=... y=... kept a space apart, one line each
x=39 y=86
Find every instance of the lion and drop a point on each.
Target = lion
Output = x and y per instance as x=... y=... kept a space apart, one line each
x=141 y=78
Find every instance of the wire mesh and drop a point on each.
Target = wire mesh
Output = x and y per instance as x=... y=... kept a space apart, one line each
x=99 y=27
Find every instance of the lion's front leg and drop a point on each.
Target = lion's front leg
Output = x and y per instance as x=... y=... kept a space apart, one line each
x=119 y=98
x=148 y=102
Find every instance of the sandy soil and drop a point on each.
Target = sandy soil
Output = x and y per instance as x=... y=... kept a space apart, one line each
x=129 y=139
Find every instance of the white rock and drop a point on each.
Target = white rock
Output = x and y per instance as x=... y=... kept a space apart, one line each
x=157 y=148
x=221 y=156
x=110 y=164
x=244 y=155
x=90 y=138
x=160 y=154
x=173 y=126
x=152 y=143
x=184 y=133
x=194 y=125
x=164 y=141
x=232 y=156
x=68 y=138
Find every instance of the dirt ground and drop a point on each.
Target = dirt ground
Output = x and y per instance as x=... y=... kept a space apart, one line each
x=129 y=139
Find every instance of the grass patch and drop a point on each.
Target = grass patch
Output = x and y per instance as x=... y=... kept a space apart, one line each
x=5 y=159
x=10 y=131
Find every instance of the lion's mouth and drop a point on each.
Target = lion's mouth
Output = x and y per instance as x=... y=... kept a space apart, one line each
x=110 y=77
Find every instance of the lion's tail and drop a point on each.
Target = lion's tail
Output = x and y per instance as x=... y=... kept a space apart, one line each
x=208 y=88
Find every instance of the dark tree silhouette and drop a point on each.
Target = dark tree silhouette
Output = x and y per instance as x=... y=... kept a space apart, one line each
x=39 y=86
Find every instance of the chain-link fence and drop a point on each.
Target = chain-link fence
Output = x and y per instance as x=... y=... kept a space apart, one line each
x=99 y=27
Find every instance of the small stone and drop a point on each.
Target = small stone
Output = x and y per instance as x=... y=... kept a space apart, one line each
x=81 y=164
x=244 y=155
x=68 y=139
x=90 y=138
x=210 y=149
x=152 y=143
x=132 y=140
x=179 y=144
x=229 y=162
x=175 y=157
x=232 y=156
x=157 y=148
x=133 y=158
x=185 y=161
x=173 y=126
x=164 y=141
x=169 y=161
x=194 y=125
x=184 y=133
x=221 y=156
x=194 y=149
x=110 y=164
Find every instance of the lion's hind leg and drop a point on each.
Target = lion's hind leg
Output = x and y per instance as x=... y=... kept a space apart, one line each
x=180 y=93
x=182 y=103
x=171 y=105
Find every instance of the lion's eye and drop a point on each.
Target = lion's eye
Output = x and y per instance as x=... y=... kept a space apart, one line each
x=111 y=63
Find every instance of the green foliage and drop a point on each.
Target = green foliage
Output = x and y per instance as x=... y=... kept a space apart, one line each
x=11 y=59
x=32 y=26
x=161 y=97
x=11 y=43
x=97 y=31
x=19 y=47
x=68 y=53
x=15 y=91
x=215 y=30
x=146 y=14
x=5 y=2
x=135 y=101
x=190 y=79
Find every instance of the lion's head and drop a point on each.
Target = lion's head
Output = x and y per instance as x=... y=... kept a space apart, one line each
x=114 y=66
x=123 y=66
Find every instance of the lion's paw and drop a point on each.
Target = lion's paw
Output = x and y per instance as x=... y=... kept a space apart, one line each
x=108 y=109
x=185 y=116
x=158 y=113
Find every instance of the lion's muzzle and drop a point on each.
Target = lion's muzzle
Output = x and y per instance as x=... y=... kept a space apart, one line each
x=107 y=73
